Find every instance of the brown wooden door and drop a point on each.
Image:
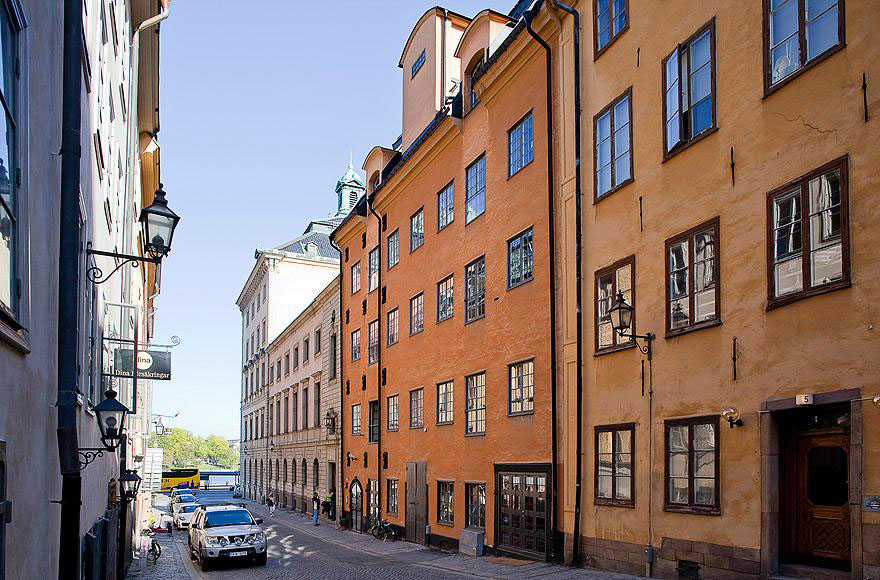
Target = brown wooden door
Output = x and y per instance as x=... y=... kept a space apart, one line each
x=822 y=534
x=523 y=513
x=416 y=501
x=355 y=505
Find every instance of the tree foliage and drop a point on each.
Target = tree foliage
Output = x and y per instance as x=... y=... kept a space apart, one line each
x=185 y=449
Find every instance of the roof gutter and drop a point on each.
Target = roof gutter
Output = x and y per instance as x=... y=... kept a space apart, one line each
x=576 y=550
x=556 y=542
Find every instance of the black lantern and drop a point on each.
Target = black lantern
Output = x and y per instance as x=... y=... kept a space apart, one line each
x=111 y=420
x=621 y=314
x=130 y=482
x=158 y=222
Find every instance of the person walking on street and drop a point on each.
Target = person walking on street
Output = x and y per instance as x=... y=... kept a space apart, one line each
x=316 y=505
x=271 y=503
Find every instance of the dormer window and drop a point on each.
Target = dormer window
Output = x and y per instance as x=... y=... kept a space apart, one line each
x=417 y=65
x=474 y=99
x=374 y=182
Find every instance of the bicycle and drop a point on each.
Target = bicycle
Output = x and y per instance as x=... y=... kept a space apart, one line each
x=155 y=550
x=382 y=530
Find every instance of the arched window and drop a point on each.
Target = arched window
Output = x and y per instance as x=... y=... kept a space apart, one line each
x=269 y=473
x=472 y=98
x=305 y=472
x=285 y=471
x=262 y=474
x=293 y=471
x=315 y=473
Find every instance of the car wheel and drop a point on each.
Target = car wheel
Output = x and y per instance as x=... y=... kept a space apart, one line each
x=206 y=564
x=261 y=559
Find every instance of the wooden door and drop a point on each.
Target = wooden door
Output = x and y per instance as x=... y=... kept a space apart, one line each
x=822 y=530
x=523 y=513
x=356 y=505
x=416 y=501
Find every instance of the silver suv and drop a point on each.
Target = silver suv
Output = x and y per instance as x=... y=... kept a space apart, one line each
x=226 y=532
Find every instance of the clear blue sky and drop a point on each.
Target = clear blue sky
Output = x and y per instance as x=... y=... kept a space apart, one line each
x=261 y=102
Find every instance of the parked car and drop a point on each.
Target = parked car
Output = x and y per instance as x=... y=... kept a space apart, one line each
x=225 y=532
x=183 y=513
x=182 y=498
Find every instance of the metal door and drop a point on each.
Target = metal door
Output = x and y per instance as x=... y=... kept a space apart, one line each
x=356 y=505
x=523 y=513
x=416 y=501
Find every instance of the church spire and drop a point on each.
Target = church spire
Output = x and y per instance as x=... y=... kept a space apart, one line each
x=348 y=189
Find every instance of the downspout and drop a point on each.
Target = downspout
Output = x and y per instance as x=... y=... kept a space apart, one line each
x=442 y=66
x=341 y=391
x=68 y=285
x=379 y=351
x=528 y=15
x=576 y=543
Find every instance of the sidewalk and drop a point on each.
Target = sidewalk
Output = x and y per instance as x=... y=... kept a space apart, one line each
x=169 y=565
x=418 y=555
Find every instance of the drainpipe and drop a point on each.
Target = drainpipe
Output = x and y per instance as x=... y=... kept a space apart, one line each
x=528 y=16
x=68 y=284
x=341 y=391
x=576 y=548
x=379 y=349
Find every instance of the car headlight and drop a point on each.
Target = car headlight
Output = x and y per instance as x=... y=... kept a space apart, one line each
x=249 y=539
x=259 y=536
x=212 y=540
x=224 y=541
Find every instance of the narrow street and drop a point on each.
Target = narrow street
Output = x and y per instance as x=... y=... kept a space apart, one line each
x=299 y=550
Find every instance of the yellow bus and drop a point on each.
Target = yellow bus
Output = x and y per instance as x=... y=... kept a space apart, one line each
x=187 y=477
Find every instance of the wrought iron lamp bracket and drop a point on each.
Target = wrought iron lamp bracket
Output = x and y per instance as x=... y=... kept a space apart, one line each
x=96 y=275
x=89 y=454
x=645 y=349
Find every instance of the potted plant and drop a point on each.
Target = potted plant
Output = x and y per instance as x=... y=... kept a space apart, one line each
x=343 y=522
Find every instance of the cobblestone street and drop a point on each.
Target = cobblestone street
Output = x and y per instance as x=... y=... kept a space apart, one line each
x=299 y=550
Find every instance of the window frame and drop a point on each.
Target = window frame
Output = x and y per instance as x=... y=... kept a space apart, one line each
x=392 y=487
x=597 y=50
x=373 y=345
x=613 y=501
x=418 y=64
x=467 y=197
x=609 y=108
x=395 y=415
x=449 y=283
x=356 y=331
x=356 y=419
x=840 y=164
x=690 y=507
x=683 y=142
x=388 y=334
x=355 y=266
x=612 y=269
x=395 y=235
x=521 y=125
x=688 y=235
x=467 y=411
x=447 y=194
x=519 y=236
x=468 y=486
x=520 y=388
x=769 y=86
x=411 y=300
x=421 y=423
x=373 y=428
x=373 y=274
x=420 y=213
x=446 y=416
x=467 y=318
x=449 y=486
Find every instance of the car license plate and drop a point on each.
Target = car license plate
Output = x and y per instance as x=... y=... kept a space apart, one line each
x=238 y=553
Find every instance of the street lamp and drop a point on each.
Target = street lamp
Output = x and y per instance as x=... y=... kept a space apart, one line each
x=621 y=315
x=130 y=482
x=111 y=420
x=158 y=223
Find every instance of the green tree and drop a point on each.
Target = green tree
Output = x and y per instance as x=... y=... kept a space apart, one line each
x=186 y=449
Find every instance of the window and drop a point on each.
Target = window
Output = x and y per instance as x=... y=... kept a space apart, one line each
x=356 y=419
x=315 y=470
x=474 y=98
x=809 y=235
x=617 y=277
x=391 y=497
x=475 y=290
x=393 y=248
x=374 y=268
x=692 y=470
x=356 y=344
x=445 y=502
x=689 y=81
x=294 y=408
x=355 y=277
x=373 y=342
x=417 y=230
x=417 y=65
x=393 y=316
x=305 y=407
x=475 y=497
x=317 y=341
x=520 y=145
x=520 y=259
x=417 y=314
x=287 y=363
x=799 y=33
x=393 y=413
x=613 y=132
x=333 y=361
x=475 y=190
x=693 y=293
x=373 y=434
x=305 y=349
x=612 y=18
x=278 y=370
x=296 y=357
x=416 y=408
x=445 y=303
x=272 y=374
x=287 y=414
x=521 y=388
x=316 y=405
x=475 y=404
x=614 y=463
x=446 y=206
x=445 y=407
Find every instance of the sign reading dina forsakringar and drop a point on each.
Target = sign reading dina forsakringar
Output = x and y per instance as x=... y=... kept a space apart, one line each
x=151 y=364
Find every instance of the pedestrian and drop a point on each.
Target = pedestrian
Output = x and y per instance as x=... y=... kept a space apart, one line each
x=316 y=505
x=333 y=503
x=271 y=503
